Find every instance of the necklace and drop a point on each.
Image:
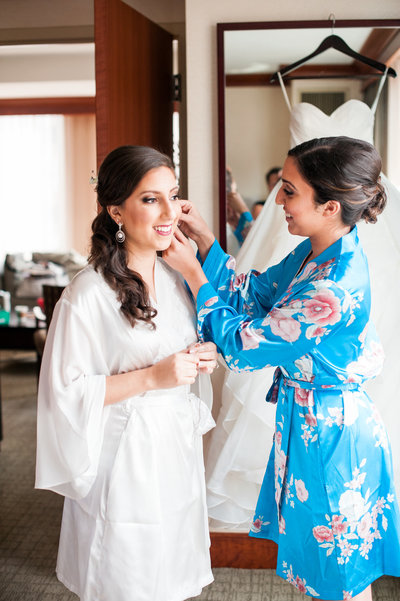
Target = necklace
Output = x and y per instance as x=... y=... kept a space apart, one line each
x=305 y=260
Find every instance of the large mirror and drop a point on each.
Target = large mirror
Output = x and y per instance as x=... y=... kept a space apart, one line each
x=254 y=118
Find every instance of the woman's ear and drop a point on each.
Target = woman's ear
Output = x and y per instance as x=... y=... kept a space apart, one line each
x=114 y=212
x=332 y=208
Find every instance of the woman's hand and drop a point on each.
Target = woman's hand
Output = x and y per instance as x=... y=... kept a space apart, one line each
x=176 y=370
x=180 y=256
x=207 y=354
x=232 y=217
x=193 y=225
x=236 y=203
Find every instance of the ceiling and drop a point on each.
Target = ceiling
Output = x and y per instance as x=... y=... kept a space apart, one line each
x=47 y=70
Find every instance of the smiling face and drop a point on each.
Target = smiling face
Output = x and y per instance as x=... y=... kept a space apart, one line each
x=151 y=213
x=304 y=216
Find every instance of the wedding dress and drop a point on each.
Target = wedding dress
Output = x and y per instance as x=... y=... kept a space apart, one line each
x=240 y=444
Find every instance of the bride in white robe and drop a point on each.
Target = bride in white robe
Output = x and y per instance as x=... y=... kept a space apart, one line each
x=240 y=444
x=119 y=430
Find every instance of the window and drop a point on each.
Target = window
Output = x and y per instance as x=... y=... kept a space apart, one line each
x=32 y=183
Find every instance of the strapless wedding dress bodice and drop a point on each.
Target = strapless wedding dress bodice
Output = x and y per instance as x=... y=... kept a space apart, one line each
x=240 y=444
x=354 y=118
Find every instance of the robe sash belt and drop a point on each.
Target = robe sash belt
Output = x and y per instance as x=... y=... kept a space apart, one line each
x=279 y=378
x=281 y=438
x=202 y=417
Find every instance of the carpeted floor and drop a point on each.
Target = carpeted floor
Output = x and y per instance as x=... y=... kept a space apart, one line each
x=30 y=519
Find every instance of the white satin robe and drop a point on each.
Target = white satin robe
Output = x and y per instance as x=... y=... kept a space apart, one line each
x=134 y=525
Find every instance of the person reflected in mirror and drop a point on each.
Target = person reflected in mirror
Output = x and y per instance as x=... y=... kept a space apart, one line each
x=238 y=215
x=272 y=177
x=328 y=498
x=256 y=208
x=232 y=218
x=119 y=426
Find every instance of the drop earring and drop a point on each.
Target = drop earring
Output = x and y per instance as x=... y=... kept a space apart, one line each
x=120 y=236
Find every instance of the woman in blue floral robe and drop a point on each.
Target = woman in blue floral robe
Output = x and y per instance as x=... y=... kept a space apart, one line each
x=327 y=497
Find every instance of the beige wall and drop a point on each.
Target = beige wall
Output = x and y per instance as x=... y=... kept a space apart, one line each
x=201 y=74
x=257 y=136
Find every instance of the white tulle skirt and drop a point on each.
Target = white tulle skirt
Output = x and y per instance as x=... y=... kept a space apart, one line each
x=241 y=442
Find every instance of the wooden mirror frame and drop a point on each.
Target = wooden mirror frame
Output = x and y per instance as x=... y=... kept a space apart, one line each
x=221 y=29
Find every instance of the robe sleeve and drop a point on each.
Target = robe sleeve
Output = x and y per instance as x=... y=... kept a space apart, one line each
x=253 y=293
x=294 y=327
x=71 y=412
x=243 y=227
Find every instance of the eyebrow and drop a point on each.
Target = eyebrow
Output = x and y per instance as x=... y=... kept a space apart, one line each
x=288 y=182
x=157 y=191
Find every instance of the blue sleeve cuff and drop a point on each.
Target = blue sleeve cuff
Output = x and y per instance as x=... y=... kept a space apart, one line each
x=213 y=260
x=205 y=295
x=245 y=220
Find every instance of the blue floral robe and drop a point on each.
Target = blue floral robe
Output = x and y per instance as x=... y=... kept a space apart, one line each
x=327 y=497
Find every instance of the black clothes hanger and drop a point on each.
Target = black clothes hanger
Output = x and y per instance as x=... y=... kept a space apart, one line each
x=337 y=43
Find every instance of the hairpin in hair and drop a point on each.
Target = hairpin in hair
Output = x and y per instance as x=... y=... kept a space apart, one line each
x=93 y=178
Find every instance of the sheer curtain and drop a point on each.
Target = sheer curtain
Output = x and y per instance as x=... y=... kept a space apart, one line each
x=80 y=144
x=32 y=184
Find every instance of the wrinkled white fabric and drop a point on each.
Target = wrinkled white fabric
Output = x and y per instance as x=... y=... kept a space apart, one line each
x=135 y=524
x=240 y=444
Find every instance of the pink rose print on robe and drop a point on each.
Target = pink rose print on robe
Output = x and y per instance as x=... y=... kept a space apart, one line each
x=301 y=491
x=211 y=301
x=322 y=309
x=300 y=584
x=324 y=269
x=323 y=534
x=236 y=282
x=309 y=268
x=315 y=332
x=250 y=337
x=311 y=420
x=338 y=526
x=301 y=396
x=283 y=326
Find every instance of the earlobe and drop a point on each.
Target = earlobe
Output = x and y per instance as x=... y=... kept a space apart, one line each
x=114 y=212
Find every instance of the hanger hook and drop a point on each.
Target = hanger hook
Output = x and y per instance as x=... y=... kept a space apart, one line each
x=332 y=18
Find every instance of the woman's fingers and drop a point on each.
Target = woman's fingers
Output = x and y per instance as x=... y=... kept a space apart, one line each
x=207 y=367
x=179 y=235
x=204 y=349
x=207 y=354
x=186 y=205
x=190 y=367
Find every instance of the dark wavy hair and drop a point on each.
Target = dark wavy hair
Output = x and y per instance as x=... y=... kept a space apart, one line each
x=343 y=169
x=119 y=174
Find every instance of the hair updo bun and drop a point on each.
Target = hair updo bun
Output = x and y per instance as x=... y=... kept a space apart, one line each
x=346 y=170
x=376 y=204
